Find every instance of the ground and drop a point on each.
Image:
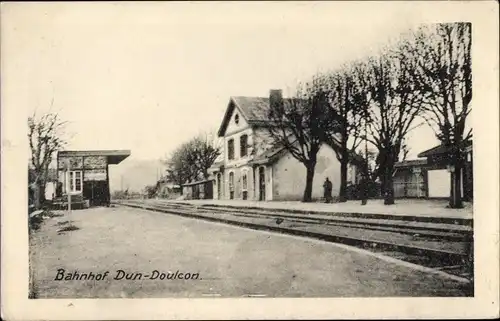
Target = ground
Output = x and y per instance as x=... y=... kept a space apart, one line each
x=231 y=261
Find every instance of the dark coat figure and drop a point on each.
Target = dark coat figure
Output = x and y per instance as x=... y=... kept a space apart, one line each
x=327 y=187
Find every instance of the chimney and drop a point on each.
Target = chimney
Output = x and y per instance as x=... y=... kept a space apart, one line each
x=275 y=98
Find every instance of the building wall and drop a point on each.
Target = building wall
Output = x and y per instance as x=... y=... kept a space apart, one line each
x=235 y=131
x=232 y=126
x=76 y=162
x=50 y=190
x=216 y=186
x=187 y=191
x=433 y=181
x=468 y=176
x=238 y=159
x=239 y=164
x=238 y=187
x=168 y=190
x=285 y=180
x=262 y=140
x=258 y=142
x=439 y=177
x=289 y=176
x=94 y=169
x=91 y=162
x=439 y=183
x=200 y=190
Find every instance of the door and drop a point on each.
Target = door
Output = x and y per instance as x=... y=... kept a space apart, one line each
x=196 y=192
x=209 y=190
x=420 y=185
x=244 y=185
x=262 y=183
x=96 y=192
x=468 y=182
x=231 y=185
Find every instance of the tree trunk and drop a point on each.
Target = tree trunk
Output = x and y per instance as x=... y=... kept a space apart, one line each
x=343 y=178
x=383 y=184
x=42 y=193
x=388 y=185
x=36 y=196
x=43 y=183
x=363 y=189
x=309 y=182
x=456 y=187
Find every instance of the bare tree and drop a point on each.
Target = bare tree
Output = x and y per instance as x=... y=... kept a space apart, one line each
x=203 y=151
x=45 y=136
x=300 y=125
x=444 y=72
x=393 y=103
x=178 y=171
x=405 y=150
x=191 y=160
x=347 y=99
x=370 y=167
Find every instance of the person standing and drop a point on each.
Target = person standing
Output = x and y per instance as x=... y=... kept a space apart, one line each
x=327 y=187
x=364 y=189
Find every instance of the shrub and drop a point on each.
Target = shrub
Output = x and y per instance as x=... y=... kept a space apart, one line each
x=35 y=222
x=354 y=190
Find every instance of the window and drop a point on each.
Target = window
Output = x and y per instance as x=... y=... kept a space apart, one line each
x=75 y=181
x=236 y=119
x=231 y=181
x=243 y=145
x=244 y=182
x=230 y=149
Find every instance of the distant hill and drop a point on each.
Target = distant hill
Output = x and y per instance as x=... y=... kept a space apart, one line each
x=134 y=174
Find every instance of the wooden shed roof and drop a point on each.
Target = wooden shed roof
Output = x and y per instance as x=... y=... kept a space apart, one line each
x=114 y=156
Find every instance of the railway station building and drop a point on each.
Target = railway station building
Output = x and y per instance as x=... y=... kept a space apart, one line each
x=252 y=169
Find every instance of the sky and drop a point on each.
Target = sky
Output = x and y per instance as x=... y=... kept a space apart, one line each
x=148 y=77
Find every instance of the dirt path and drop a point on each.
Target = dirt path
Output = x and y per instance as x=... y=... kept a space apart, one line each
x=229 y=261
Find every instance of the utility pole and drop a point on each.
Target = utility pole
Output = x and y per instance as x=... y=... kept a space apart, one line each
x=364 y=199
x=68 y=187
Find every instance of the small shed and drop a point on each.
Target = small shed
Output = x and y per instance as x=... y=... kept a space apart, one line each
x=166 y=188
x=199 y=190
x=440 y=165
x=410 y=179
x=430 y=176
x=85 y=174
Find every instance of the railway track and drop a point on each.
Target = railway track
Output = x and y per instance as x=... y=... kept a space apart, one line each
x=442 y=247
x=441 y=231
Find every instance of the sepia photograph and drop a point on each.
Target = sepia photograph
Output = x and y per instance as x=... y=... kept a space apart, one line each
x=268 y=150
